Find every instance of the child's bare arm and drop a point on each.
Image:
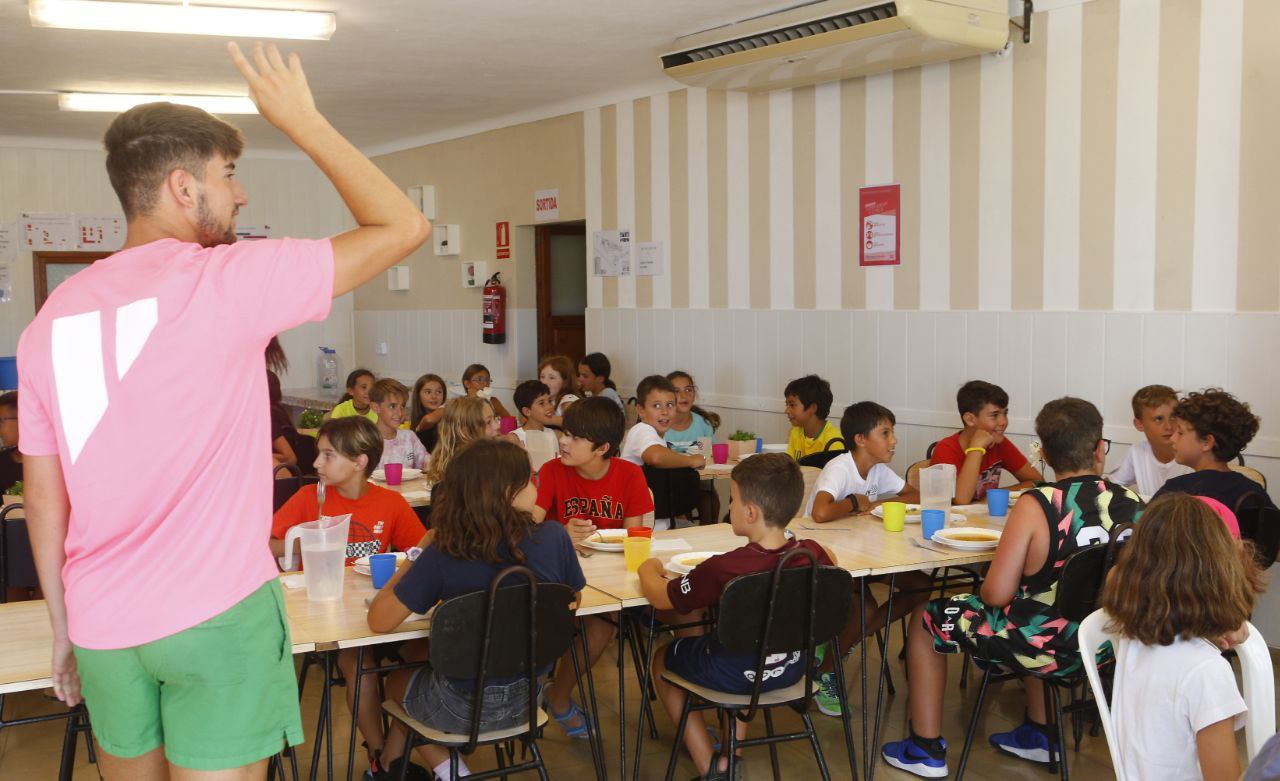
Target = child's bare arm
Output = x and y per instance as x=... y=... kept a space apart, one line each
x=826 y=508
x=665 y=458
x=1028 y=475
x=1216 y=749
x=1005 y=574
x=908 y=495
x=653 y=584
x=635 y=520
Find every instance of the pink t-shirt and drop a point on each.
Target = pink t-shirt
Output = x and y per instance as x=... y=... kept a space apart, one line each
x=145 y=375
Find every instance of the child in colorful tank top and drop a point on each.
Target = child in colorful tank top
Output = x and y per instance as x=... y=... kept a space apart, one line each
x=1013 y=621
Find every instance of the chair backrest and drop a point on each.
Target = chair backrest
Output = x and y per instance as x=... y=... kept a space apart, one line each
x=821 y=459
x=17 y=563
x=1249 y=472
x=913 y=471
x=1255 y=668
x=928 y=452
x=796 y=606
x=1084 y=573
x=675 y=491
x=1261 y=527
x=283 y=488
x=810 y=475
x=507 y=631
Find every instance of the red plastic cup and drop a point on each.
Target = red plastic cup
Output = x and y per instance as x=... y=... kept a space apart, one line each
x=393 y=472
x=720 y=452
x=640 y=531
x=508 y=424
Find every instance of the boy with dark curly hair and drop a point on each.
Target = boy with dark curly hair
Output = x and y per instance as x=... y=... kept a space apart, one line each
x=1211 y=428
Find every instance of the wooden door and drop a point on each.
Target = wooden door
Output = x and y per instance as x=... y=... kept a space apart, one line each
x=562 y=290
x=54 y=268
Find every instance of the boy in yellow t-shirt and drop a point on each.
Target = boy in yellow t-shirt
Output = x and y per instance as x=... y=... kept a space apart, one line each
x=808 y=404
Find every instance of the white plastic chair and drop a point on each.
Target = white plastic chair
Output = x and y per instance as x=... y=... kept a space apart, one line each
x=1255 y=666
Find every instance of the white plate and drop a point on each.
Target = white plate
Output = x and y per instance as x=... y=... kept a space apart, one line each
x=608 y=540
x=361 y=565
x=720 y=467
x=774 y=448
x=408 y=473
x=949 y=537
x=683 y=563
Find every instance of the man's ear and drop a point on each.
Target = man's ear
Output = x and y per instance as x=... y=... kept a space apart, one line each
x=182 y=187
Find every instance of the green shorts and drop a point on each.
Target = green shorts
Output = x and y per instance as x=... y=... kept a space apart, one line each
x=219 y=695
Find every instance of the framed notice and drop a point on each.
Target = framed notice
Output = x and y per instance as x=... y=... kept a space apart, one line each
x=880 y=239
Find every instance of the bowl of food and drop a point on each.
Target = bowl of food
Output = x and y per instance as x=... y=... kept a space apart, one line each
x=609 y=540
x=683 y=563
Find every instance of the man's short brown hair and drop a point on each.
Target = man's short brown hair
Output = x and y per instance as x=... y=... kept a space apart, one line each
x=387 y=387
x=1069 y=431
x=772 y=482
x=147 y=142
x=1152 y=396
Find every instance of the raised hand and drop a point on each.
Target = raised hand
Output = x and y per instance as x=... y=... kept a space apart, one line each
x=279 y=90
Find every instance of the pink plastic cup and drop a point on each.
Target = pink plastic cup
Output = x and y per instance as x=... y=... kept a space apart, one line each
x=393 y=472
x=720 y=452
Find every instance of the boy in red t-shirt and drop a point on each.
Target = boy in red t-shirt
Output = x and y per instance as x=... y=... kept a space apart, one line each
x=765 y=495
x=980 y=452
x=380 y=520
x=588 y=488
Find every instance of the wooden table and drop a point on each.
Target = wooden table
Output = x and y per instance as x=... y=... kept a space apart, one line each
x=417 y=492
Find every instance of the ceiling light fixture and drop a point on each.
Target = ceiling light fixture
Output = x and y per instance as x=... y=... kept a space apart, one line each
x=115 y=103
x=182 y=19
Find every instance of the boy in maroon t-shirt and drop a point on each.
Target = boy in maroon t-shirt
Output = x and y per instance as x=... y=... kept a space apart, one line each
x=765 y=495
x=979 y=452
x=587 y=488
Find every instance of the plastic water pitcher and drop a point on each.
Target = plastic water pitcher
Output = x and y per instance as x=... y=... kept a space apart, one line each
x=937 y=487
x=324 y=555
x=328 y=372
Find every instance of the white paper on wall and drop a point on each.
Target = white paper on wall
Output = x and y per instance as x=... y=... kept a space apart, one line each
x=99 y=232
x=251 y=232
x=6 y=285
x=650 y=259
x=9 y=239
x=49 y=231
x=611 y=255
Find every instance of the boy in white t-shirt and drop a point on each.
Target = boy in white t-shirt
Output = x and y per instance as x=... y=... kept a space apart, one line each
x=1150 y=463
x=853 y=483
x=388 y=399
x=655 y=406
x=533 y=402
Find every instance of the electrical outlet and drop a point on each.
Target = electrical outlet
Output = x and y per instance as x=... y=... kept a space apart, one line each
x=382 y=348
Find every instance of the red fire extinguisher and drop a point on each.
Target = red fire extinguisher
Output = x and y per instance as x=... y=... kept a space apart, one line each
x=494 y=309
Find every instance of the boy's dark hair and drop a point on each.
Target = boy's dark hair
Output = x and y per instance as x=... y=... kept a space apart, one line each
x=1069 y=431
x=1152 y=396
x=772 y=482
x=598 y=420
x=354 y=437
x=599 y=365
x=147 y=142
x=654 y=382
x=861 y=419
x=976 y=394
x=811 y=389
x=1214 y=411
x=528 y=392
x=9 y=399
x=387 y=387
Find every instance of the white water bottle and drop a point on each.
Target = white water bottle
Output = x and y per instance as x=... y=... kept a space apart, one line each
x=327 y=371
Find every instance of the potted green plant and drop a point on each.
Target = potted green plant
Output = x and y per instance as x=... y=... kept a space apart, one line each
x=13 y=493
x=740 y=443
x=311 y=418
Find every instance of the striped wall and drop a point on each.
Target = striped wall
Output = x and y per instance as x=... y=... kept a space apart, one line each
x=1123 y=161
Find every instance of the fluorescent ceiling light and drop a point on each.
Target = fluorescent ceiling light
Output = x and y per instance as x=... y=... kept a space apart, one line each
x=115 y=103
x=182 y=19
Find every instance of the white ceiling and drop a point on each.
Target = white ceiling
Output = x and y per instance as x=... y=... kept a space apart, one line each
x=396 y=73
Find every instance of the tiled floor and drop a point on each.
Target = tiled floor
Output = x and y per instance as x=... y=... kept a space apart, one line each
x=32 y=752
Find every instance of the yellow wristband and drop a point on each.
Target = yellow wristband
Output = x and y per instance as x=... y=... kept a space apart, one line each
x=981 y=450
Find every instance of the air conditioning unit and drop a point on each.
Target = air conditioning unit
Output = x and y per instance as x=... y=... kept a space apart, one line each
x=837 y=39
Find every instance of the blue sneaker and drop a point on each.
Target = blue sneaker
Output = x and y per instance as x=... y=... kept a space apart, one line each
x=909 y=756
x=1025 y=742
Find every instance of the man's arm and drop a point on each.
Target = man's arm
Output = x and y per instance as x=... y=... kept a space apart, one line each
x=653 y=584
x=48 y=509
x=390 y=226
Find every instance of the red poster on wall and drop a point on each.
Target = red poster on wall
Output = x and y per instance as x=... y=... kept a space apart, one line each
x=880 y=243
x=503 y=241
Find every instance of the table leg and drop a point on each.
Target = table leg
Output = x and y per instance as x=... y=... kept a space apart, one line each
x=862 y=646
x=884 y=669
x=622 y=700
x=645 y=682
x=355 y=710
x=587 y=692
x=324 y=724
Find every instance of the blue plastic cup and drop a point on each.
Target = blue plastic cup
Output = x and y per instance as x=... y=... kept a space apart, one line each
x=759 y=444
x=382 y=566
x=932 y=521
x=998 y=502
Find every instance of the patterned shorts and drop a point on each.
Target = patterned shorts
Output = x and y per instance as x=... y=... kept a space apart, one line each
x=1025 y=635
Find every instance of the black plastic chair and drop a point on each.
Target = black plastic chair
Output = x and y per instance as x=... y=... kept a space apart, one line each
x=17 y=563
x=821 y=459
x=675 y=491
x=1084 y=573
x=1260 y=525
x=283 y=488
x=508 y=632
x=804 y=607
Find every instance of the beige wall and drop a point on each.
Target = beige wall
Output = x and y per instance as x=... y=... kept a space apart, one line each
x=480 y=180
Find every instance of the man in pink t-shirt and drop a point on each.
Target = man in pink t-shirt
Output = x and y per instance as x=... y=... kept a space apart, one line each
x=143 y=421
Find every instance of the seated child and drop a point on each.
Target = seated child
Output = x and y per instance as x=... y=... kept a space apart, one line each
x=466 y=419
x=1013 y=621
x=10 y=456
x=1210 y=430
x=808 y=404
x=588 y=488
x=356 y=399
x=688 y=425
x=766 y=491
x=381 y=520
x=1175 y=706
x=481 y=523
x=979 y=452
x=533 y=400
x=427 y=408
x=399 y=445
x=1150 y=462
x=593 y=377
x=655 y=404
x=476 y=381
x=558 y=374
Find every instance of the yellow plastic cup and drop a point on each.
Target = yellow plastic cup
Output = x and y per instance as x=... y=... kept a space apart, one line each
x=635 y=550
x=895 y=516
